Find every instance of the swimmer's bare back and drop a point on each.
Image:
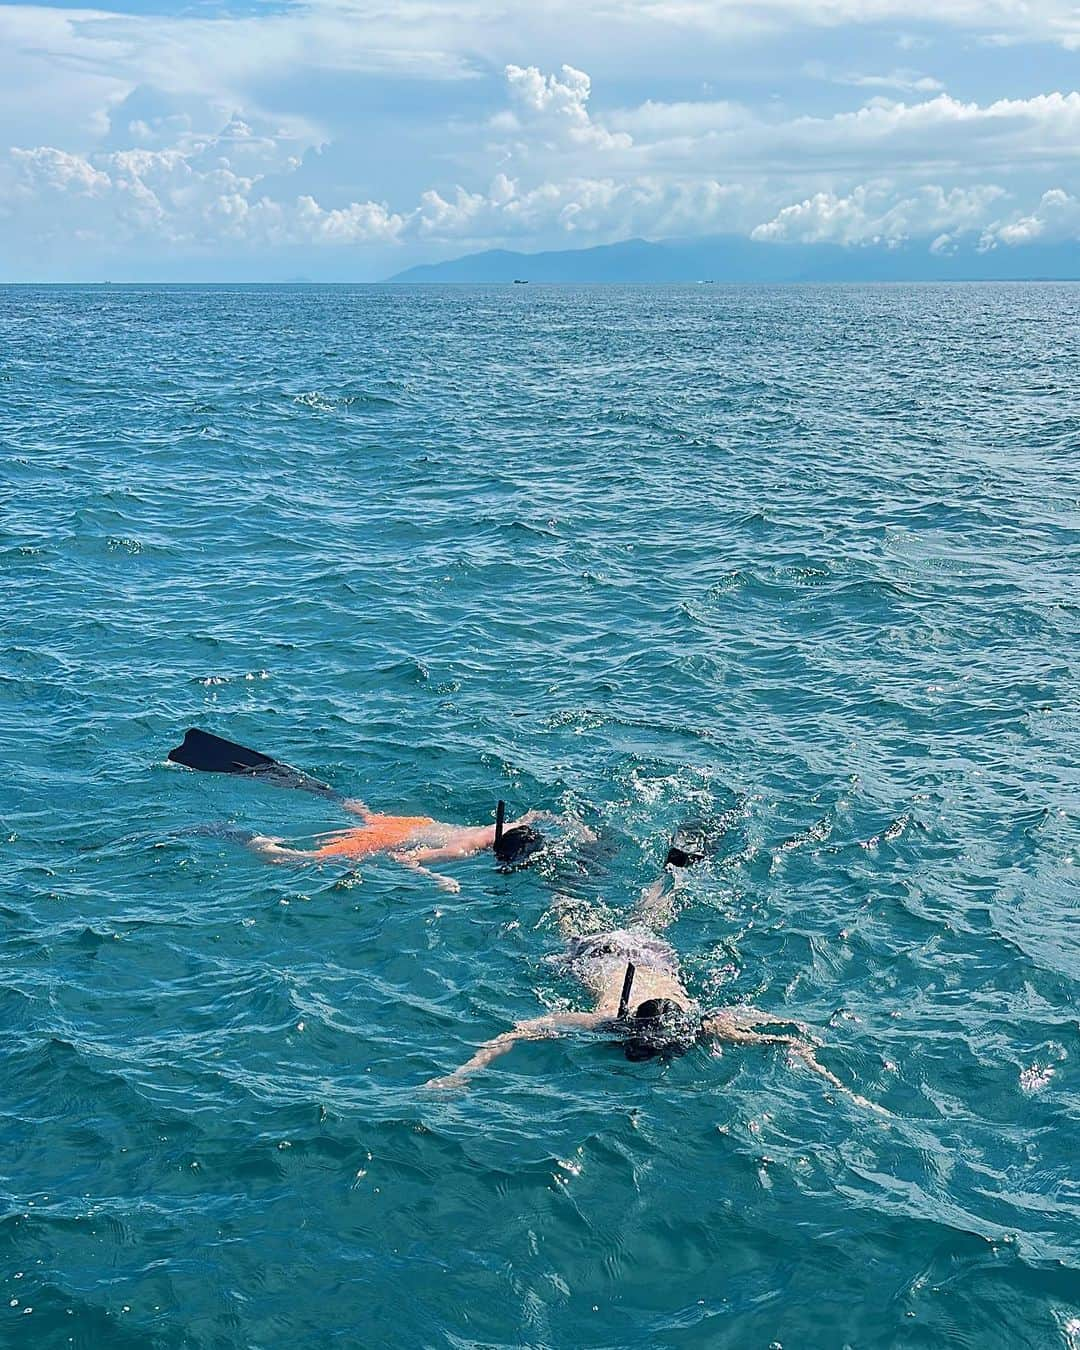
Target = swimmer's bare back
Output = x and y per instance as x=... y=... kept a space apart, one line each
x=412 y=841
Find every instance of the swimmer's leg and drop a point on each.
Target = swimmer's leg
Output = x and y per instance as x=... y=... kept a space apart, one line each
x=655 y=907
x=567 y=927
x=567 y=914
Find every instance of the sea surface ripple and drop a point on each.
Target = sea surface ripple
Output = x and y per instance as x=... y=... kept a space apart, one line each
x=809 y=557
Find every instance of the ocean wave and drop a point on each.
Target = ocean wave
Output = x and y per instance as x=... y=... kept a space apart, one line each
x=798 y=564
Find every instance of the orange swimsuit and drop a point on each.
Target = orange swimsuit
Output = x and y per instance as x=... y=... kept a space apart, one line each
x=379 y=835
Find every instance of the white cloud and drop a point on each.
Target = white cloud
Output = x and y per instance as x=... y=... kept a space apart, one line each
x=58 y=171
x=1056 y=218
x=875 y=214
x=548 y=94
x=907 y=81
x=549 y=169
x=1009 y=20
x=195 y=196
x=880 y=213
x=594 y=207
x=201 y=194
x=61 y=69
x=557 y=109
x=662 y=122
x=1045 y=123
x=903 y=79
x=713 y=138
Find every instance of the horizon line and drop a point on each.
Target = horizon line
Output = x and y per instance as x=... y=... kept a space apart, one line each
x=704 y=281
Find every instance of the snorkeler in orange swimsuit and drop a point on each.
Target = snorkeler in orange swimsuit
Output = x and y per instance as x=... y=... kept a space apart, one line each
x=413 y=841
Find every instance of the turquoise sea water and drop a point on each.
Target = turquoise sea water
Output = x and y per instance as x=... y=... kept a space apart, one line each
x=805 y=556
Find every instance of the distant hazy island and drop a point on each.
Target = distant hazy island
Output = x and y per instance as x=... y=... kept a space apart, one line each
x=727 y=258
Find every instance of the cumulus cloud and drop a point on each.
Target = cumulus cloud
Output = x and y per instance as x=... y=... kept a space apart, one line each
x=875 y=214
x=550 y=167
x=717 y=137
x=195 y=196
x=1006 y=135
x=57 y=171
x=596 y=207
x=1056 y=218
x=556 y=108
x=881 y=214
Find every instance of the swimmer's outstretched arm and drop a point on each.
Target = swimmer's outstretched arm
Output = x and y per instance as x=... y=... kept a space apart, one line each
x=725 y=1027
x=415 y=859
x=537 y=1028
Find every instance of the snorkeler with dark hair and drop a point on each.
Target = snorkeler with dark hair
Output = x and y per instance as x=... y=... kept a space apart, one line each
x=633 y=976
x=413 y=841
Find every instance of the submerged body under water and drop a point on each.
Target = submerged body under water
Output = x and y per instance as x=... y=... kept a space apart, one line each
x=802 y=559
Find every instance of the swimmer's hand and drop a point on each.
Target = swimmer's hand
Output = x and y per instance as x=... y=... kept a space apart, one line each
x=449 y=1082
x=274 y=849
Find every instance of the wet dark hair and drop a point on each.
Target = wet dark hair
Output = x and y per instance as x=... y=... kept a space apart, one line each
x=658 y=1027
x=679 y=857
x=515 y=847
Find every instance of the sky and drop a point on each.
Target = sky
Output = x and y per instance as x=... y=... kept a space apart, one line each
x=348 y=139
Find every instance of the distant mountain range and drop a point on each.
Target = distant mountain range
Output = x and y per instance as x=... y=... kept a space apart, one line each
x=727 y=258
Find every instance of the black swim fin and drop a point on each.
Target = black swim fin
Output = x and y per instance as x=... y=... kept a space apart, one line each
x=212 y=754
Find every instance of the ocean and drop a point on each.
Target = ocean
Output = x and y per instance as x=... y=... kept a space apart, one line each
x=804 y=561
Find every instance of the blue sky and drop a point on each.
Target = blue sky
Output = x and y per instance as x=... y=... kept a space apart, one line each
x=347 y=139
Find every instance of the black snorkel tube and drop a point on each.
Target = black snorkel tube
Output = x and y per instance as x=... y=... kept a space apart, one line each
x=627 y=985
x=500 y=816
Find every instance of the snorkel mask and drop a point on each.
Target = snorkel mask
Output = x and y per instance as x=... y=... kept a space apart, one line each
x=516 y=847
x=658 y=1028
